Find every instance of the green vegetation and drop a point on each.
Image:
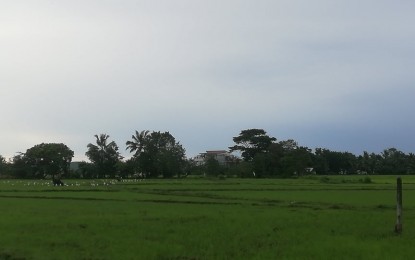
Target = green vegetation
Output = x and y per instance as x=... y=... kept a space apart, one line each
x=313 y=217
x=159 y=154
x=104 y=156
x=156 y=154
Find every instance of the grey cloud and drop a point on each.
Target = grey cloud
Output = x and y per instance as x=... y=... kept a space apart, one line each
x=314 y=71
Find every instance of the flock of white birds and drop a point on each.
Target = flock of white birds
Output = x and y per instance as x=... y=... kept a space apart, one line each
x=71 y=183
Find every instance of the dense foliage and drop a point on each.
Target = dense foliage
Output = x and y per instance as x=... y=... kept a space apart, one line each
x=251 y=142
x=104 y=156
x=158 y=154
x=45 y=159
x=287 y=158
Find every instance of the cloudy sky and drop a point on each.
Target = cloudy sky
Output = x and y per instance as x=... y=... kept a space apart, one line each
x=333 y=74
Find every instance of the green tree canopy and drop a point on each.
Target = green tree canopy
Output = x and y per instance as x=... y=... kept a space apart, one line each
x=48 y=159
x=3 y=165
x=104 y=155
x=137 y=144
x=251 y=142
x=332 y=162
x=157 y=153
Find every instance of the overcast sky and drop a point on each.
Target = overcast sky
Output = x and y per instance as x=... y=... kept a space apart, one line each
x=332 y=74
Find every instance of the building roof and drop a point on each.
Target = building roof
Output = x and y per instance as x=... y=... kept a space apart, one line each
x=216 y=151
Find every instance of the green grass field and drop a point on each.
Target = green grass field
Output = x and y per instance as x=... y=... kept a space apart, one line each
x=339 y=217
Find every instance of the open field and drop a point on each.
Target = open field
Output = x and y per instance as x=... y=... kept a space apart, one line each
x=336 y=217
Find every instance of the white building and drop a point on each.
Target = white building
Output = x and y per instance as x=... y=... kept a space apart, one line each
x=222 y=156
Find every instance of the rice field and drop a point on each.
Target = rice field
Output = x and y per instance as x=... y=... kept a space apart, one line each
x=331 y=217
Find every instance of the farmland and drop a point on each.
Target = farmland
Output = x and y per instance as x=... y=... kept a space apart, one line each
x=311 y=217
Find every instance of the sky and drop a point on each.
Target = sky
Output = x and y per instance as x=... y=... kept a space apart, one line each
x=331 y=74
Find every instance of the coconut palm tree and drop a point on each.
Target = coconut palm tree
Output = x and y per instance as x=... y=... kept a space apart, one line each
x=104 y=155
x=137 y=143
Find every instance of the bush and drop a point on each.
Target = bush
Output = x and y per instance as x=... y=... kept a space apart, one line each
x=366 y=180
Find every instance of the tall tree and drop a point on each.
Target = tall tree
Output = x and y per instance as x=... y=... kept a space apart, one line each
x=251 y=142
x=157 y=153
x=296 y=160
x=136 y=145
x=411 y=163
x=326 y=161
x=3 y=165
x=320 y=161
x=393 y=162
x=19 y=168
x=104 y=155
x=48 y=159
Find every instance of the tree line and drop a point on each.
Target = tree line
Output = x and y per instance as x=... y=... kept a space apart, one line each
x=158 y=154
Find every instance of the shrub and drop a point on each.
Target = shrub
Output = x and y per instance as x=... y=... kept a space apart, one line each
x=366 y=180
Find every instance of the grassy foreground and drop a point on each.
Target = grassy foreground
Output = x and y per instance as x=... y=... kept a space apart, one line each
x=310 y=218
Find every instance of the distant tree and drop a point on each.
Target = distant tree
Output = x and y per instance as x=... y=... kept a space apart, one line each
x=2 y=160
x=19 y=168
x=137 y=144
x=3 y=166
x=363 y=162
x=157 y=153
x=250 y=142
x=296 y=161
x=263 y=165
x=48 y=159
x=242 y=169
x=393 y=161
x=123 y=168
x=87 y=170
x=375 y=162
x=411 y=163
x=104 y=156
x=332 y=162
x=349 y=162
x=171 y=160
x=288 y=145
x=212 y=166
x=126 y=169
x=369 y=163
x=193 y=168
x=320 y=161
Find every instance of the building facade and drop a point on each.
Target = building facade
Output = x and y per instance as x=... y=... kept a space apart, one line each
x=223 y=157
